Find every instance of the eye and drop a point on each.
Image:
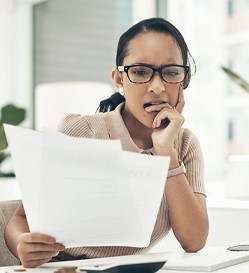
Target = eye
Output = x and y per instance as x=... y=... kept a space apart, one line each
x=171 y=73
x=140 y=71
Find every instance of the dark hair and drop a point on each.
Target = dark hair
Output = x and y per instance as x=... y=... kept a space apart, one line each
x=153 y=24
x=110 y=103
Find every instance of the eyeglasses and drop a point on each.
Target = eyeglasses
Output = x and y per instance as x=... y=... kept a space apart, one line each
x=144 y=73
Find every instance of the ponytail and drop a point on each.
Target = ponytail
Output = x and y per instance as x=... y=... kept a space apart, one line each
x=111 y=103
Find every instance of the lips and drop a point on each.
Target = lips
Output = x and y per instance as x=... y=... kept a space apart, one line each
x=153 y=103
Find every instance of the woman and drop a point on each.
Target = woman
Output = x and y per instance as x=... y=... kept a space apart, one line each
x=153 y=69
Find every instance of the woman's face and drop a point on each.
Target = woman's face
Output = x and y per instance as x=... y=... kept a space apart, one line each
x=156 y=49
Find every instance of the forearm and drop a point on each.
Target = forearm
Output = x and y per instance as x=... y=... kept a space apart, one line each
x=16 y=226
x=188 y=214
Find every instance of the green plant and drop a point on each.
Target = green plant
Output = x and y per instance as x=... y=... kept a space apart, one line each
x=10 y=114
x=236 y=78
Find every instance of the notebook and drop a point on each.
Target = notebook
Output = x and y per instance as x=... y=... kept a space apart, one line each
x=207 y=261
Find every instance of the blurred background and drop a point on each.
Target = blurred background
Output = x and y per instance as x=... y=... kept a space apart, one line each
x=62 y=41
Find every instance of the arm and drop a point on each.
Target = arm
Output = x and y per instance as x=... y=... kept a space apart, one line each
x=187 y=210
x=188 y=213
x=31 y=248
x=185 y=196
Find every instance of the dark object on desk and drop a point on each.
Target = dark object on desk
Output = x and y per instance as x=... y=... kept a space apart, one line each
x=150 y=267
x=239 y=248
x=63 y=256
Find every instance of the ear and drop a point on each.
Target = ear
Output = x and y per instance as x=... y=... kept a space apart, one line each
x=186 y=80
x=117 y=78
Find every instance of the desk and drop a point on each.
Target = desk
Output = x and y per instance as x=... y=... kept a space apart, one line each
x=52 y=267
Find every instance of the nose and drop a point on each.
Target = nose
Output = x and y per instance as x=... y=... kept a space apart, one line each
x=157 y=84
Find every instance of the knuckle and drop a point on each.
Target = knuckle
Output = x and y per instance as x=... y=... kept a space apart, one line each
x=20 y=249
x=183 y=119
x=55 y=253
x=22 y=237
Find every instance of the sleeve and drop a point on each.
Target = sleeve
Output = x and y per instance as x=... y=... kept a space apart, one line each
x=75 y=125
x=191 y=154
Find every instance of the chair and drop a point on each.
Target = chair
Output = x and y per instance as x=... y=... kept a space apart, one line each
x=7 y=209
x=53 y=101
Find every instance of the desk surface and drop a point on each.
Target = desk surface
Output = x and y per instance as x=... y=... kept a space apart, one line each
x=52 y=267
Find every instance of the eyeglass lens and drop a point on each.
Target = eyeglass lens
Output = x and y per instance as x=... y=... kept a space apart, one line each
x=141 y=74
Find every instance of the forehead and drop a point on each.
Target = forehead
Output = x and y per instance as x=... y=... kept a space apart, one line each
x=155 y=48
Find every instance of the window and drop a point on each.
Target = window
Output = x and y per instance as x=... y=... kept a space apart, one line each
x=76 y=40
x=217 y=109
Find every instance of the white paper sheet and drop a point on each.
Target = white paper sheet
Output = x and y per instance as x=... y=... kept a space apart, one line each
x=87 y=192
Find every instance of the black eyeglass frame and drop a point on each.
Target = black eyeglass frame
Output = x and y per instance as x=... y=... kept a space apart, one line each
x=125 y=68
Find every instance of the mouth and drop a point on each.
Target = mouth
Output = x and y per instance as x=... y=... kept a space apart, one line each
x=153 y=103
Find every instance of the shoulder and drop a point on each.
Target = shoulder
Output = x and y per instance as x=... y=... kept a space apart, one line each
x=91 y=126
x=83 y=125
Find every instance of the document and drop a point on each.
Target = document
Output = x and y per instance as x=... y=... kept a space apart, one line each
x=87 y=192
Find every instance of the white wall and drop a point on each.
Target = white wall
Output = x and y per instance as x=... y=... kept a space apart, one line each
x=16 y=53
x=143 y=10
x=6 y=50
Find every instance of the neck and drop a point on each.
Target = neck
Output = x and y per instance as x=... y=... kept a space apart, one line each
x=140 y=134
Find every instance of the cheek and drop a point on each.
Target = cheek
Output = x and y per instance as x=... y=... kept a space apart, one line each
x=133 y=98
x=134 y=93
x=173 y=93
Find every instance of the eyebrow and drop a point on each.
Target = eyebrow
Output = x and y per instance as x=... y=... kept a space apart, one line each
x=150 y=65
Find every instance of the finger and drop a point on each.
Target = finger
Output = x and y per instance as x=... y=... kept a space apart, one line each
x=37 y=238
x=32 y=258
x=28 y=248
x=35 y=247
x=181 y=101
x=40 y=255
x=162 y=116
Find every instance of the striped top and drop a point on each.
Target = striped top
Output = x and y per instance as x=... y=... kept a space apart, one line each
x=110 y=125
